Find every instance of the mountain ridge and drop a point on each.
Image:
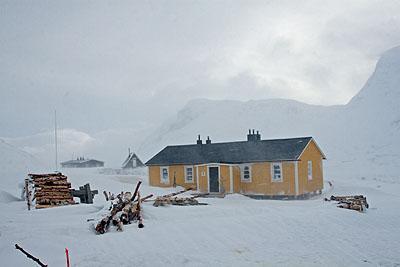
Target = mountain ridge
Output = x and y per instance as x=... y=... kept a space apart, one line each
x=361 y=132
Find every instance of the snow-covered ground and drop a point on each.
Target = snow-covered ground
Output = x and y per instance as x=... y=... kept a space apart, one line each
x=234 y=231
x=360 y=139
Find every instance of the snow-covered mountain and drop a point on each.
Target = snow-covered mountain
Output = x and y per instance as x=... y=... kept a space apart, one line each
x=360 y=138
x=15 y=164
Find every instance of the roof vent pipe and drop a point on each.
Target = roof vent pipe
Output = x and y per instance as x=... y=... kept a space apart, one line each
x=199 y=141
x=208 y=141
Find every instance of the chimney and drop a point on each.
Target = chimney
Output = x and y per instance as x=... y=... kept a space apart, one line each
x=199 y=141
x=249 y=136
x=253 y=136
x=208 y=141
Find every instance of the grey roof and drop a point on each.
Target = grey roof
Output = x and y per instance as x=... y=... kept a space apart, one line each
x=232 y=152
x=128 y=162
x=77 y=161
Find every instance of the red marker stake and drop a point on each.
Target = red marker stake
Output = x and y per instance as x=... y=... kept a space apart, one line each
x=67 y=255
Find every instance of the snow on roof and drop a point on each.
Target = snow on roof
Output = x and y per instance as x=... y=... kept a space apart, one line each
x=131 y=157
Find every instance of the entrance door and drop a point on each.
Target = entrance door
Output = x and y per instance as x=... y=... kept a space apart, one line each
x=214 y=181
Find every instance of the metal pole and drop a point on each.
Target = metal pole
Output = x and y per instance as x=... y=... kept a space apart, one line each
x=55 y=137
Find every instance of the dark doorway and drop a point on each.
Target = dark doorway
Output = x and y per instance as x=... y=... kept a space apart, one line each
x=214 y=181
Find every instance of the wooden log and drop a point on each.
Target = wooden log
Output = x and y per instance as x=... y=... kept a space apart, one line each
x=30 y=256
x=136 y=190
x=52 y=194
x=45 y=206
x=49 y=179
x=139 y=212
x=338 y=198
x=35 y=175
x=103 y=225
x=105 y=195
x=177 y=193
x=146 y=198
x=55 y=203
x=53 y=198
x=52 y=187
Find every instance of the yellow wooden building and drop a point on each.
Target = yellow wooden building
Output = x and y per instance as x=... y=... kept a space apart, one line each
x=276 y=168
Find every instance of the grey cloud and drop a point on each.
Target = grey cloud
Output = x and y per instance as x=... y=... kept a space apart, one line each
x=116 y=64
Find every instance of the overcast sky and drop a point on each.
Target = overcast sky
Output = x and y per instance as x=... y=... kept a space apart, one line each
x=102 y=62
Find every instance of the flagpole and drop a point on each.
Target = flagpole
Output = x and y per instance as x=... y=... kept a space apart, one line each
x=55 y=138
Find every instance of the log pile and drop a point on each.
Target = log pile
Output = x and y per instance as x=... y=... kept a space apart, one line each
x=171 y=199
x=357 y=202
x=125 y=209
x=51 y=190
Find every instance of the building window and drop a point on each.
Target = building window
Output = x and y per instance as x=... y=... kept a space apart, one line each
x=246 y=173
x=276 y=172
x=164 y=175
x=189 y=174
x=309 y=168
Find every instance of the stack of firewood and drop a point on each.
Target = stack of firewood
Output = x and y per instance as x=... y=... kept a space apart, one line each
x=357 y=202
x=51 y=190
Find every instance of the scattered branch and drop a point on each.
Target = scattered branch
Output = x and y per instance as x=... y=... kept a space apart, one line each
x=30 y=256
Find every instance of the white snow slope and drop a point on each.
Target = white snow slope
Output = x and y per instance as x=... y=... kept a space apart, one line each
x=360 y=139
x=15 y=164
x=235 y=231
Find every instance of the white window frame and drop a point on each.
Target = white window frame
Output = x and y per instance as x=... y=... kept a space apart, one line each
x=273 y=173
x=162 y=180
x=242 y=173
x=186 y=180
x=309 y=170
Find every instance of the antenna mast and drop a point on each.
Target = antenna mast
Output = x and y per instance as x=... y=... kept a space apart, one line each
x=55 y=137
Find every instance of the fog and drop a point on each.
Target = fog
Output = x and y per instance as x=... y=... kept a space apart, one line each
x=129 y=65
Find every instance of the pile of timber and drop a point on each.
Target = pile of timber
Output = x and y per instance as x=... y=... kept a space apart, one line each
x=51 y=190
x=125 y=209
x=171 y=199
x=357 y=202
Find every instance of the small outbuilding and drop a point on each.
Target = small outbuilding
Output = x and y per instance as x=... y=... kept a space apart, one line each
x=290 y=167
x=81 y=162
x=132 y=161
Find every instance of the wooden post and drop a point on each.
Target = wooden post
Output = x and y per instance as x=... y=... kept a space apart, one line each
x=67 y=255
x=27 y=194
x=89 y=195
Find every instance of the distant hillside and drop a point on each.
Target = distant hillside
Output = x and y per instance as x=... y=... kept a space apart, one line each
x=15 y=164
x=360 y=138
